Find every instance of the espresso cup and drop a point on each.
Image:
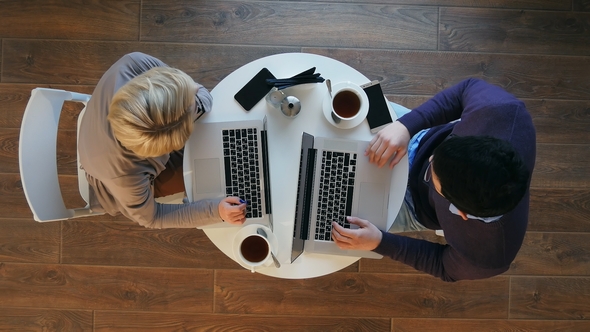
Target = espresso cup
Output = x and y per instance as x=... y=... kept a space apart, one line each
x=346 y=104
x=254 y=250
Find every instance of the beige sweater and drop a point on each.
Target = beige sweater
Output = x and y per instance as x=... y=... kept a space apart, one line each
x=122 y=181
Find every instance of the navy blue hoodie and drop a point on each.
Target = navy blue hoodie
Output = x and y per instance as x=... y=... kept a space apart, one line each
x=474 y=249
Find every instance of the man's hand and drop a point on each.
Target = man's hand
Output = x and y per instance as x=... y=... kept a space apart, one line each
x=367 y=237
x=232 y=210
x=390 y=142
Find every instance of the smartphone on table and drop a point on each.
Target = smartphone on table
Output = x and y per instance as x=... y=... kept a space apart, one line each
x=378 y=116
x=254 y=90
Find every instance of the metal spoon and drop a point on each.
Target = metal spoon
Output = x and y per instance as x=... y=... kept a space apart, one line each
x=334 y=117
x=261 y=231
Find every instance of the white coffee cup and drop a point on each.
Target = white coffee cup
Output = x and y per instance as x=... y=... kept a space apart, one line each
x=348 y=100
x=252 y=249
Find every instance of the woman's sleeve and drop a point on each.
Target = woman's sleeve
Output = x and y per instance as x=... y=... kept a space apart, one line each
x=136 y=202
x=205 y=98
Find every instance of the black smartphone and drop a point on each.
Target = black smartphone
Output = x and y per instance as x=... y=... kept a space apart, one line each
x=378 y=116
x=254 y=90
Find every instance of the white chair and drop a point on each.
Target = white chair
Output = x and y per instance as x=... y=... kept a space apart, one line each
x=37 y=156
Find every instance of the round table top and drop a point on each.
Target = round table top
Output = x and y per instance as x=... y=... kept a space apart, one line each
x=284 y=141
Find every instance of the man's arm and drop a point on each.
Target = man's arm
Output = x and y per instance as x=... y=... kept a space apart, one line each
x=451 y=104
x=390 y=143
x=441 y=261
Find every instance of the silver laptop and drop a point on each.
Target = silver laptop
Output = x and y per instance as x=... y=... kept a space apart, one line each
x=231 y=159
x=335 y=181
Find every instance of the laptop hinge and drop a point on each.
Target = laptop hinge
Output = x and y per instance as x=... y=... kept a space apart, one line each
x=308 y=193
x=266 y=168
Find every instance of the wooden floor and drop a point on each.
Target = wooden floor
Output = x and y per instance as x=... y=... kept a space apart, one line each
x=109 y=274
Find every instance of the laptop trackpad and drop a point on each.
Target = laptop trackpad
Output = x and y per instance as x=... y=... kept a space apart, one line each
x=371 y=202
x=207 y=176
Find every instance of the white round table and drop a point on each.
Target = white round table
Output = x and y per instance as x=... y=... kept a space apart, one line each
x=284 y=141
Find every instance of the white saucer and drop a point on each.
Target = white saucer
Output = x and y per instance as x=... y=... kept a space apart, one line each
x=327 y=106
x=251 y=229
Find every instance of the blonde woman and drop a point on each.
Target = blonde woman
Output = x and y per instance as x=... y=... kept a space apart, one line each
x=131 y=145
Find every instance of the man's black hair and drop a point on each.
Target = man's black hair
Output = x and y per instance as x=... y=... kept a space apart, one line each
x=481 y=175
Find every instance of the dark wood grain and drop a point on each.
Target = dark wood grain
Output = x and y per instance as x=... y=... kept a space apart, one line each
x=12 y=198
x=551 y=117
x=126 y=243
x=79 y=62
x=426 y=73
x=106 y=273
x=359 y=295
x=401 y=72
x=67 y=163
x=514 y=31
x=9 y=150
x=279 y=23
x=523 y=4
x=65 y=151
x=45 y=320
x=553 y=254
x=581 y=5
x=453 y=325
x=562 y=166
x=106 y=321
x=13 y=203
x=106 y=287
x=29 y=241
x=408 y=101
x=65 y=62
x=96 y=19
x=14 y=99
x=559 y=210
x=550 y=298
x=129 y=244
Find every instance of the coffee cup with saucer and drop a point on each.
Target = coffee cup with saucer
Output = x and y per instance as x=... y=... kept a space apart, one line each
x=347 y=106
x=252 y=250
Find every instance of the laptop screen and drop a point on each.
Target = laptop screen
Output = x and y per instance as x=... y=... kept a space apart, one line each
x=304 y=194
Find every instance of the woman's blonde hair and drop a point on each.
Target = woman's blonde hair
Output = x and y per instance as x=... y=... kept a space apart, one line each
x=151 y=114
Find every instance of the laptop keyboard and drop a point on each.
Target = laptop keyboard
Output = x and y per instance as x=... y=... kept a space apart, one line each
x=335 y=192
x=242 y=171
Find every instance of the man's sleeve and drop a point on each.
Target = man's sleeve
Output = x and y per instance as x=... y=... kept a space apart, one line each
x=441 y=261
x=449 y=104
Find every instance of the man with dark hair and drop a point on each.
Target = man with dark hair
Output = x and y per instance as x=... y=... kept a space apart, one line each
x=480 y=175
x=471 y=150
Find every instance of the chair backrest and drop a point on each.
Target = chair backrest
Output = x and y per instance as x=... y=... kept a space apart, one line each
x=38 y=156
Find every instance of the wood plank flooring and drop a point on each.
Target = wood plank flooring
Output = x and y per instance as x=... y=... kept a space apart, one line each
x=109 y=274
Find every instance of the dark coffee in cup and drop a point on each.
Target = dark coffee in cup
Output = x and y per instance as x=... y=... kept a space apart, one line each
x=346 y=104
x=254 y=248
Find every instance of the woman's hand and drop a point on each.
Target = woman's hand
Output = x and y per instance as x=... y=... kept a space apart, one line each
x=390 y=142
x=232 y=210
